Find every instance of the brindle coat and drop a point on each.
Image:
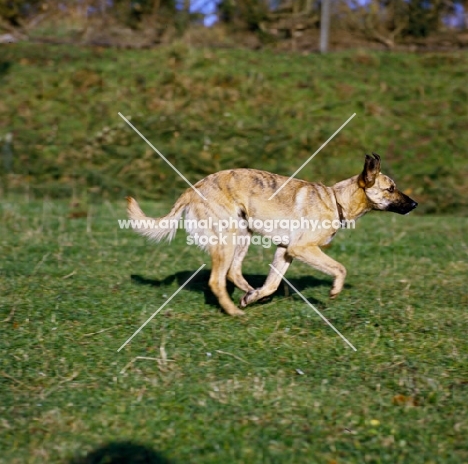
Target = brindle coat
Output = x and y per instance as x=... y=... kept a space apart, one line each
x=244 y=193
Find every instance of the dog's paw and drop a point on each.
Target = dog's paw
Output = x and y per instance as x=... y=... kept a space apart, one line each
x=246 y=299
x=237 y=313
x=333 y=295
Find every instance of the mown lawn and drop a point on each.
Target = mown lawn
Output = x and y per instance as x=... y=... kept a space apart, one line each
x=277 y=386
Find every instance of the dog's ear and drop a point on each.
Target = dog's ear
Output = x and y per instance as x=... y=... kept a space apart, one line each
x=371 y=171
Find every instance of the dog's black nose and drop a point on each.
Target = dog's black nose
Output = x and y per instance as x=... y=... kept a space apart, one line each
x=414 y=204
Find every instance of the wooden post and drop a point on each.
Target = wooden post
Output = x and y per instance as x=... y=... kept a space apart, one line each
x=324 y=26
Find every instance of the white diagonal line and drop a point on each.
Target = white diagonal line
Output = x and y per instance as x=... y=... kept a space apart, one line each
x=160 y=154
x=336 y=132
x=313 y=307
x=164 y=304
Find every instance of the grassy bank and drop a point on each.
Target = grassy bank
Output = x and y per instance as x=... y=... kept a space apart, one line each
x=213 y=109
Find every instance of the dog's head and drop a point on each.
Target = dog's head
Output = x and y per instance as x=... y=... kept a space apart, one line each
x=381 y=190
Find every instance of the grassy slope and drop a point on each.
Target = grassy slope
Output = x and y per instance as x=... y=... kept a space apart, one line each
x=69 y=304
x=399 y=398
x=207 y=110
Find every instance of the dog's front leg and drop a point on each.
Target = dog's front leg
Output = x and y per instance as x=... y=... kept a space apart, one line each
x=281 y=263
x=316 y=258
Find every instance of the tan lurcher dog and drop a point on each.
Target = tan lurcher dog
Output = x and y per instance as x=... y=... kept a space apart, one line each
x=238 y=195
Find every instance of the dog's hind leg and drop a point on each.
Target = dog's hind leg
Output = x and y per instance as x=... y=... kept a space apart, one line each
x=281 y=262
x=316 y=258
x=235 y=271
x=221 y=259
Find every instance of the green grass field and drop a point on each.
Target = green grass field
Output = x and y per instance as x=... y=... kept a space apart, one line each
x=277 y=386
x=200 y=386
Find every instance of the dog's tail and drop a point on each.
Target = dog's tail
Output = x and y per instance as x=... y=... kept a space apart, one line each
x=156 y=228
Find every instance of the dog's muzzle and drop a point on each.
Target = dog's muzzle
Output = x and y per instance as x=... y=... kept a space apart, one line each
x=404 y=205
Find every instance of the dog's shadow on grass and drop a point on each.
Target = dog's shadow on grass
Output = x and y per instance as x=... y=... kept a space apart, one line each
x=200 y=284
x=122 y=452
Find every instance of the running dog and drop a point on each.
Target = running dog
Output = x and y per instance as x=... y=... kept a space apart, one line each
x=239 y=202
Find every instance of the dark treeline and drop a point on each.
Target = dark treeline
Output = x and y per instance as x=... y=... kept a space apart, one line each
x=384 y=21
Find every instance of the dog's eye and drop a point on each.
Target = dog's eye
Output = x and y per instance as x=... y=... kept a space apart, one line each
x=391 y=189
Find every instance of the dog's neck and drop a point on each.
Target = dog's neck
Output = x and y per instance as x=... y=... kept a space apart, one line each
x=351 y=199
